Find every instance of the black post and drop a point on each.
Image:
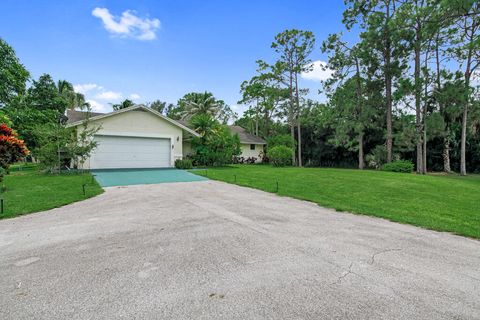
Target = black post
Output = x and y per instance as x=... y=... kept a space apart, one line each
x=1 y=206
x=235 y=178
x=83 y=187
x=277 y=187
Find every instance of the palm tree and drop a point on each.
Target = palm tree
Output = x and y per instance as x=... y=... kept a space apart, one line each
x=200 y=103
x=74 y=99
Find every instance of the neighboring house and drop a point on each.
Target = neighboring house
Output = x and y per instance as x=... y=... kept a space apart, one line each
x=135 y=137
x=252 y=146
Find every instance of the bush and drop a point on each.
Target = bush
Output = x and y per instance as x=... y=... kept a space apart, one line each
x=217 y=145
x=183 y=164
x=281 y=140
x=405 y=166
x=280 y=156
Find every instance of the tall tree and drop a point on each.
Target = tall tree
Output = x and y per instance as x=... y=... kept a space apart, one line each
x=75 y=100
x=160 y=106
x=380 y=34
x=466 y=50
x=294 y=48
x=264 y=96
x=44 y=95
x=13 y=75
x=348 y=96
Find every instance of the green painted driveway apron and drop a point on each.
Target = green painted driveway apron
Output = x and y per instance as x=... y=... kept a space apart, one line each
x=125 y=177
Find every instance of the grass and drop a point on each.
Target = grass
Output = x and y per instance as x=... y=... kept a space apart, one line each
x=29 y=190
x=438 y=202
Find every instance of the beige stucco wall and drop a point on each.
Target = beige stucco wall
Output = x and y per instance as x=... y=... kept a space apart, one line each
x=139 y=123
x=247 y=153
x=187 y=149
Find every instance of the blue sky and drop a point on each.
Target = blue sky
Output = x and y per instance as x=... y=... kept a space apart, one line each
x=112 y=50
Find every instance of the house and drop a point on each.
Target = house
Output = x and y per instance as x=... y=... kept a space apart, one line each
x=140 y=137
x=135 y=137
x=252 y=146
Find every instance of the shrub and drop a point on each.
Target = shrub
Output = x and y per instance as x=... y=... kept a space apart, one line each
x=217 y=145
x=405 y=166
x=12 y=149
x=281 y=140
x=183 y=164
x=280 y=156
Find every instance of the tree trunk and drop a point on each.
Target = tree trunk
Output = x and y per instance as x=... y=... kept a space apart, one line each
x=292 y=117
x=292 y=134
x=361 y=161
x=388 y=86
x=446 y=154
x=418 y=111
x=299 y=142
x=299 y=131
x=424 y=160
x=463 y=143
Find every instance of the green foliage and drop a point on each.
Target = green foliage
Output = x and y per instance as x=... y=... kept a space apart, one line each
x=44 y=95
x=161 y=106
x=184 y=164
x=404 y=166
x=61 y=147
x=377 y=158
x=217 y=145
x=13 y=75
x=281 y=140
x=5 y=119
x=196 y=103
x=127 y=103
x=280 y=156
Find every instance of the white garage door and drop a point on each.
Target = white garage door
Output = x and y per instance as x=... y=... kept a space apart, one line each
x=130 y=152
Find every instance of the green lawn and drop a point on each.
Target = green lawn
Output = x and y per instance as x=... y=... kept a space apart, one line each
x=28 y=190
x=438 y=202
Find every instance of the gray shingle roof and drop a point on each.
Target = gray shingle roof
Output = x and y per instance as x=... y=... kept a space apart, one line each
x=74 y=115
x=246 y=137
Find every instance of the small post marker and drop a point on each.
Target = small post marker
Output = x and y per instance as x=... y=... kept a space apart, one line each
x=83 y=187
x=1 y=206
x=276 y=191
x=235 y=178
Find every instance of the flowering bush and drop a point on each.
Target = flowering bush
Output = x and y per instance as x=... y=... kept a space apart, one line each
x=12 y=149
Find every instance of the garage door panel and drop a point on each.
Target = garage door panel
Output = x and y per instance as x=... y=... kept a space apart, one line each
x=130 y=152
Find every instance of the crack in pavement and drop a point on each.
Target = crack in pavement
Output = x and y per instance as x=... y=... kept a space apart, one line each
x=372 y=258
x=343 y=276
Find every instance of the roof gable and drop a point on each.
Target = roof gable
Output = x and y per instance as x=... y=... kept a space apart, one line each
x=246 y=137
x=99 y=116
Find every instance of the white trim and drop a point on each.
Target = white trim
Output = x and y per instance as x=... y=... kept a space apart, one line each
x=74 y=124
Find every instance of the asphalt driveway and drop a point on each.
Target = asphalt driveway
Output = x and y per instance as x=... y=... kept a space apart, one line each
x=127 y=177
x=210 y=250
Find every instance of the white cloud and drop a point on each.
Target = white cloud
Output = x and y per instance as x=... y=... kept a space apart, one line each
x=108 y=95
x=87 y=87
x=319 y=72
x=97 y=106
x=134 y=96
x=239 y=109
x=128 y=24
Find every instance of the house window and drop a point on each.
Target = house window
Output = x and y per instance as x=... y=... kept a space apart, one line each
x=252 y=147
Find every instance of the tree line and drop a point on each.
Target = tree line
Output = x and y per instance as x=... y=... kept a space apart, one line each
x=406 y=89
